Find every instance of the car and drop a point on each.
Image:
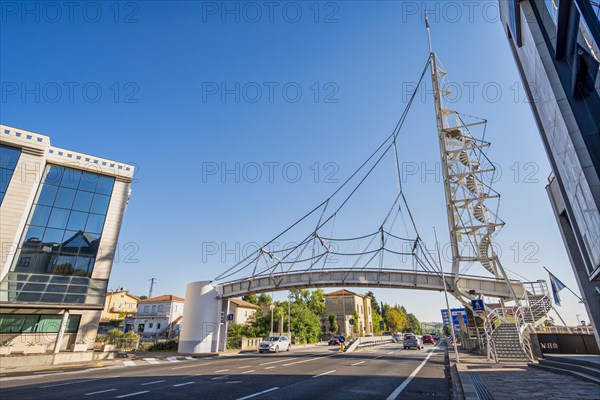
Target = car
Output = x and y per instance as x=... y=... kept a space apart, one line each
x=274 y=344
x=397 y=337
x=411 y=340
x=428 y=339
x=335 y=340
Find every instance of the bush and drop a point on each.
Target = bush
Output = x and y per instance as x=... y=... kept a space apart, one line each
x=115 y=334
x=169 y=345
x=102 y=338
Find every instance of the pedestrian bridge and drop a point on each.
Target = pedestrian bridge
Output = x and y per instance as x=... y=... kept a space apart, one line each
x=372 y=278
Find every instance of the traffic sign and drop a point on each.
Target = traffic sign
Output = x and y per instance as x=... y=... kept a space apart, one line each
x=478 y=307
x=229 y=317
x=351 y=321
x=381 y=326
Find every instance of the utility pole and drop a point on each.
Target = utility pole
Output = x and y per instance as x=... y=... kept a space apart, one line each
x=152 y=282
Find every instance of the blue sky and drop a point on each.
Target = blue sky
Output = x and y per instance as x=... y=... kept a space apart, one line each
x=187 y=90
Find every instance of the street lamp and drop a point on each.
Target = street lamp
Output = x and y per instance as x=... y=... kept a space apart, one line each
x=272 y=307
x=289 y=319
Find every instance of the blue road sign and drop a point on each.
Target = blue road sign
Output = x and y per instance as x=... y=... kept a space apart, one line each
x=454 y=312
x=342 y=339
x=477 y=305
x=229 y=317
x=381 y=325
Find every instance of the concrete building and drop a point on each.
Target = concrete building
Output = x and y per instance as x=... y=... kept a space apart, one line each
x=242 y=310
x=158 y=317
x=60 y=213
x=119 y=305
x=344 y=304
x=555 y=46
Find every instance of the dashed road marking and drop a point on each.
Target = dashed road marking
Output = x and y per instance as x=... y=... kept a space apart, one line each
x=152 y=383
x=247 y=372
x=132 y=394
x=271 y=367
x=100 y=391
x=258 y=394
x=245 y=366
x=219 y=377
x=357 y=363
x=324 y=373
x=221 y=370
x=183 y=384
x=278 y=361
x=70 y=383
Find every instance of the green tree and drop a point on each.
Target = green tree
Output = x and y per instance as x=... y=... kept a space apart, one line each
x=374 y=304
x=376 y=319
x=414 y=324
x=143 y=297
x=333 y=325
x=316 y=302
x=250 y=298
x=355 y=317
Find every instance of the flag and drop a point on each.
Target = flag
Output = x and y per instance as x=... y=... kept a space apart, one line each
x=557 y=286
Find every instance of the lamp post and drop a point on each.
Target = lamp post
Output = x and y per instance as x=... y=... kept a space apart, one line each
x=272 y=307
x=289 y=319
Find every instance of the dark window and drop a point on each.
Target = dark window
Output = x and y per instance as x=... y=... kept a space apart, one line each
x=19 y=323
x=9 y=156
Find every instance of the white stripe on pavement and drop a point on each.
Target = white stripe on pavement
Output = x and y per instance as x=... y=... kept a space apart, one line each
x=131 y=394
x=307 y=360
x=404 y=384
x=271 y=367
x=152 y=360
x=247 y=372
x=258 y=394
x=183 y=384
x=100 y=391
x=185 y=366
x=70 y=383
x=221 y=370
x=245 y=366
x=129 y=364
x=278 y=361
x=152 y=383
x=325 y=373
x=357 y=363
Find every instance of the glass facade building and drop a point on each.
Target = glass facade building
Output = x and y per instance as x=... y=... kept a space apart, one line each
x=61 y=213
x=555 y=44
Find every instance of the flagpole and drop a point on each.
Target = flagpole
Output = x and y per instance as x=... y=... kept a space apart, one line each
x=574 y=294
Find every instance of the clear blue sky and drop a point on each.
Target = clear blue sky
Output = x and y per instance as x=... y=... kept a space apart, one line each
x=160 y=68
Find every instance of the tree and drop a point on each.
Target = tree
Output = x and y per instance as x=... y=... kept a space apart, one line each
x=355 y=318
x=376 y=319
x=316 y=302
x=333 y=325
x=414 y=324
x=250 y=298
x=374 y=304
x=143 y=297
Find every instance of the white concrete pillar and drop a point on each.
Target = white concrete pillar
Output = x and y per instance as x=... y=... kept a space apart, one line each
x=61 y=332
x=201 y=319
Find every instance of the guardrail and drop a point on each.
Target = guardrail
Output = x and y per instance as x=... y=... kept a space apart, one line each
x=369 y=341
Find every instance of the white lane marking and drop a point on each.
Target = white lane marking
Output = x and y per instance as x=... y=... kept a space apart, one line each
x=247 y=372
x=70 y=383
x=221 y=370
x=245 y=366
x=129 y=364
x=375 y=358
x=131 y=394
x=307 y=360
x=48 y=372
x=183 y=384
x=233 y=382
x=100 y=391
x=219 y=377
x=258 y=394
x=152 y=383
x=152 y=360
x=278 y=361
x=271 y=367
x=357 y=363
x=389 y=352
x=325 y=373
x=404 y=384
x=173 y=359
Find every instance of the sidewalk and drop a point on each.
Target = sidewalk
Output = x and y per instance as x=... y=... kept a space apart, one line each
x=478 y=378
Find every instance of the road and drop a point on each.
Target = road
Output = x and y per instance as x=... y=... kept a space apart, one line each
x=383 y=372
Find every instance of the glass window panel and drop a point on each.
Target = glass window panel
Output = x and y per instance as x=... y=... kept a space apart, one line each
x=49 y=323
x=72 y=323
x=9 y=156
x=47 y=195
x=30 y=323
x=100 y=204
x=80 y=281
x=71 y=242
x=74 y=298
x=105 y=185
x=40 y=215
x=52 y=298
x=34 y=287
x=58 y=218
x=53 y=236
x=64 y=198
x=54 y=175
x=77 y=289
x=56 y=288
x=29 y=297
x=63 y=265
x=95 y=223
x=34 y=234
x=38 y=278
x=88 y=181
x=71 y=178
x=60 y=279
x=77 y=221
x=11 y=323
x=83 y=266
x=83 y=201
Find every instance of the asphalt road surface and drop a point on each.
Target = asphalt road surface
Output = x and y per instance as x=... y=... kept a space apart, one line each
x=384 y=372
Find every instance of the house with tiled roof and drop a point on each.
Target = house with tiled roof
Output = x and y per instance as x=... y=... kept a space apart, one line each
x=157 y=317
x=119 y=304
x=346 y=305
x=242 y=310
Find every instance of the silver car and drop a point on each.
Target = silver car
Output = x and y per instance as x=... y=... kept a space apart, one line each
x=412 y=341
x=274 y=344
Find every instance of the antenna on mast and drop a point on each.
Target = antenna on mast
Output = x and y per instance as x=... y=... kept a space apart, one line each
x=428 y=32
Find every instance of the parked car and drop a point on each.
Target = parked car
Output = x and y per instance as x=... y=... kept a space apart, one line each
x=335 y=340
x=397 y=338
x=428 y=339
x=411 y=340
x=274 y=344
